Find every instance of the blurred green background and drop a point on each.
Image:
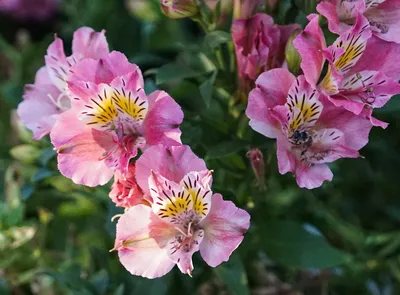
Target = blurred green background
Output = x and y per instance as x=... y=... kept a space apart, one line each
x=340 y=239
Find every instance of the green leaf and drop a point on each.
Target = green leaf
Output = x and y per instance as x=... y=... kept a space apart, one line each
x=46 y=155
x=226 y=148
x=41 y=174
x=25 y=153
x=206 y=89
x=233 y=274
x=175 y=71
x=100 y=281
x=292 y=245
x=150 y=287
x=216 y=38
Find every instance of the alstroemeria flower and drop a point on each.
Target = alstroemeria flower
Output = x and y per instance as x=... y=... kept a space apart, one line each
x=310 y=130
x=185 y=217
x=260 y=46
x=383 y=15
x=125 y=192
x=110 y=119
x=45 y=100
x=357 y=92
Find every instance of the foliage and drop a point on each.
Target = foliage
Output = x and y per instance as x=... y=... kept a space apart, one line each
x=54 y=235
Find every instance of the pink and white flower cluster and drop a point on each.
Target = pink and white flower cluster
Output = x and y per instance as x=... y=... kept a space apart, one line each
x=103 y=125
x=321 y=116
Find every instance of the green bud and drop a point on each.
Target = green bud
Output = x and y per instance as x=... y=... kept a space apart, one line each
x=25 y=153
x=292 y=56
x=179 y=8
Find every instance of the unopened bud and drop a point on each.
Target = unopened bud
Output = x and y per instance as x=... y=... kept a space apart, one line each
x=292 y=56
x=179 y=8
x=257 y=163
x=245 y=8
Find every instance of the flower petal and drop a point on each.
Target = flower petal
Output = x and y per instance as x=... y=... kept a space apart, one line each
x=173 y=163
x=272 y=89
x=310 y=45
x=80 y=150
x=313 y=176
x=138 y=251
x=163 y=119
x=89 y=43
x=224 y=228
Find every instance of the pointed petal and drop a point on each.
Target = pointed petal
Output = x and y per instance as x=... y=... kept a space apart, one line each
x=80 y=149
x=224 y=228
x=89 y=43
x=272 y=89
x=163 y=120
x=138 y=251
x=310 y=45
x=57 y=64
x=173 y=163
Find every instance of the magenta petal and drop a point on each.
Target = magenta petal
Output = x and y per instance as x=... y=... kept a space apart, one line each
x=90 y=43
x=286 y=160
x=164 y=116
x=355 y=128
x=379 y=55
x=224 y=228
x=310 y=45
x=329 y=10
x=385 y=18
x=104 y=70
x=173 y=163
x=272 y=89
x=138 y=251
x=80 y=149
x=311 y=177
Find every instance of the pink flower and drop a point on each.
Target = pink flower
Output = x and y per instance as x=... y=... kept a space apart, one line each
x=110 y=119
x=357 y=92
x=185 y=217
x=383 y=15
x=125 y=192
x=45 y=100
x=29 y=9
x=310 y=130
x=259 y=45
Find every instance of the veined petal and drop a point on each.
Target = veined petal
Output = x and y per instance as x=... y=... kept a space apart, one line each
x=81 y=149
x=224 y=228
x=347 y=50
x=173 y=163
x=57 y=64
x=313 y=176
x=304 y=106
x=138 y=249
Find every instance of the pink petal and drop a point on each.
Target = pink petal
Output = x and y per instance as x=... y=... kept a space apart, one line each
x=310 y=45
x=385 y=18
x=272 y=90
x=80 y=149
x=355 y=128
x=57 y=64
x=38 y=111
x=286 y=159
x=138 y=251
x=329 y=10
x=380 y=56
x=104 y=70
x=162 y=122
x=89 y=43
x=173 y=163
x=224 y=228
x=311 y=177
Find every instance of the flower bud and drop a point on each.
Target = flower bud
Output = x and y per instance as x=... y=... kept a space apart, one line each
x=245 y=8
x=257 y=163
x=292 y=56
x=125 y=192
x=179 y=8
